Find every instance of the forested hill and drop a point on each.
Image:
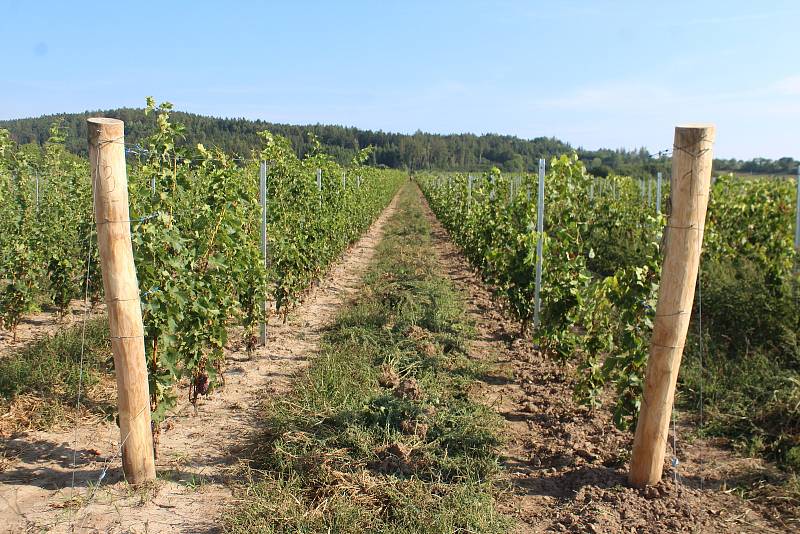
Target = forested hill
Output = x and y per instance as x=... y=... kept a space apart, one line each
x=417 y=151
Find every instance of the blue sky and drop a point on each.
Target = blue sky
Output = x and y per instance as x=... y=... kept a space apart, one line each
x=595 y=74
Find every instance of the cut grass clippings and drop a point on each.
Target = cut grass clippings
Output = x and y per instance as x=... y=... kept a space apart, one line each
x=381 y=434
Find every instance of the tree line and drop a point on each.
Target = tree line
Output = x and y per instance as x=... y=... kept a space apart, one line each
x=417 y=151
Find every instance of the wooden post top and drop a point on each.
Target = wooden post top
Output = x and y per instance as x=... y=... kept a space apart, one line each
x=694 y=132
x=104 y=120
x=107 y=127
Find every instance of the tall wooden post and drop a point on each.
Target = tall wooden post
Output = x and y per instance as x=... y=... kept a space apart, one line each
x=110 y=187
x=691 y=180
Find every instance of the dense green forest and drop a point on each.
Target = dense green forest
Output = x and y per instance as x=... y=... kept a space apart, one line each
x=419 y=151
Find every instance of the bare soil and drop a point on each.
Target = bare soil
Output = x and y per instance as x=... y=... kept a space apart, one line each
x=567 y=466
x=46 y=322
x=199 y=450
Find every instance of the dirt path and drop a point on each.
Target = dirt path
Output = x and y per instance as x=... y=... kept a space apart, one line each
x=567 y=467
x=198 y=451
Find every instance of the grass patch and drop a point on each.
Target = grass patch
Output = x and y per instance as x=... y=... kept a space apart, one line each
x=750 y=373
x=381 y=435
x=39 y=383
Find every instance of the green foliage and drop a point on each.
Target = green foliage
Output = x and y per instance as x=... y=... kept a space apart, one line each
x=45 y=203
x=196 y=239
x=601 y=270
x=198 y=252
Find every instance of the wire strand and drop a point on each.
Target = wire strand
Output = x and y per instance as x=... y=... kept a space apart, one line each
x=83 y=335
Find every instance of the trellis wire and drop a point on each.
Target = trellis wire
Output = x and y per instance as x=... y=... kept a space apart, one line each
x=701 y=342
x=83 y=326
x=83 y=339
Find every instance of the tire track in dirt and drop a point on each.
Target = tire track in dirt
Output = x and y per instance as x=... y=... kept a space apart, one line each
x=567 y=467
x=198 y=450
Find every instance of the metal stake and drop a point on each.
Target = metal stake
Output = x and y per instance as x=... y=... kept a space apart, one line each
x=539 y=246
x=262 y=197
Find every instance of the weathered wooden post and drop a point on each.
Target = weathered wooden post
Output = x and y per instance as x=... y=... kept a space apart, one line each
x=112 y=216
x=691 y=179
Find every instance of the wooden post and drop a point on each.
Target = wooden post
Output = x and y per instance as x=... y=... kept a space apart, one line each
x=691 y=179
x=110 y=187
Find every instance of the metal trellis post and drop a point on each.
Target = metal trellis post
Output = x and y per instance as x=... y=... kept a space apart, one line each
x=797 y=217
x=658 y=193
x=262 y=197
x=539 y=245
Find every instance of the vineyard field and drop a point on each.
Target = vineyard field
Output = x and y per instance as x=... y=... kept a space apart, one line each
x=602 y=255
x=425 y=367
x=196 y=233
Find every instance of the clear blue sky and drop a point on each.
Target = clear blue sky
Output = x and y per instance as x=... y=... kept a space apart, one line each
x=595 y=74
